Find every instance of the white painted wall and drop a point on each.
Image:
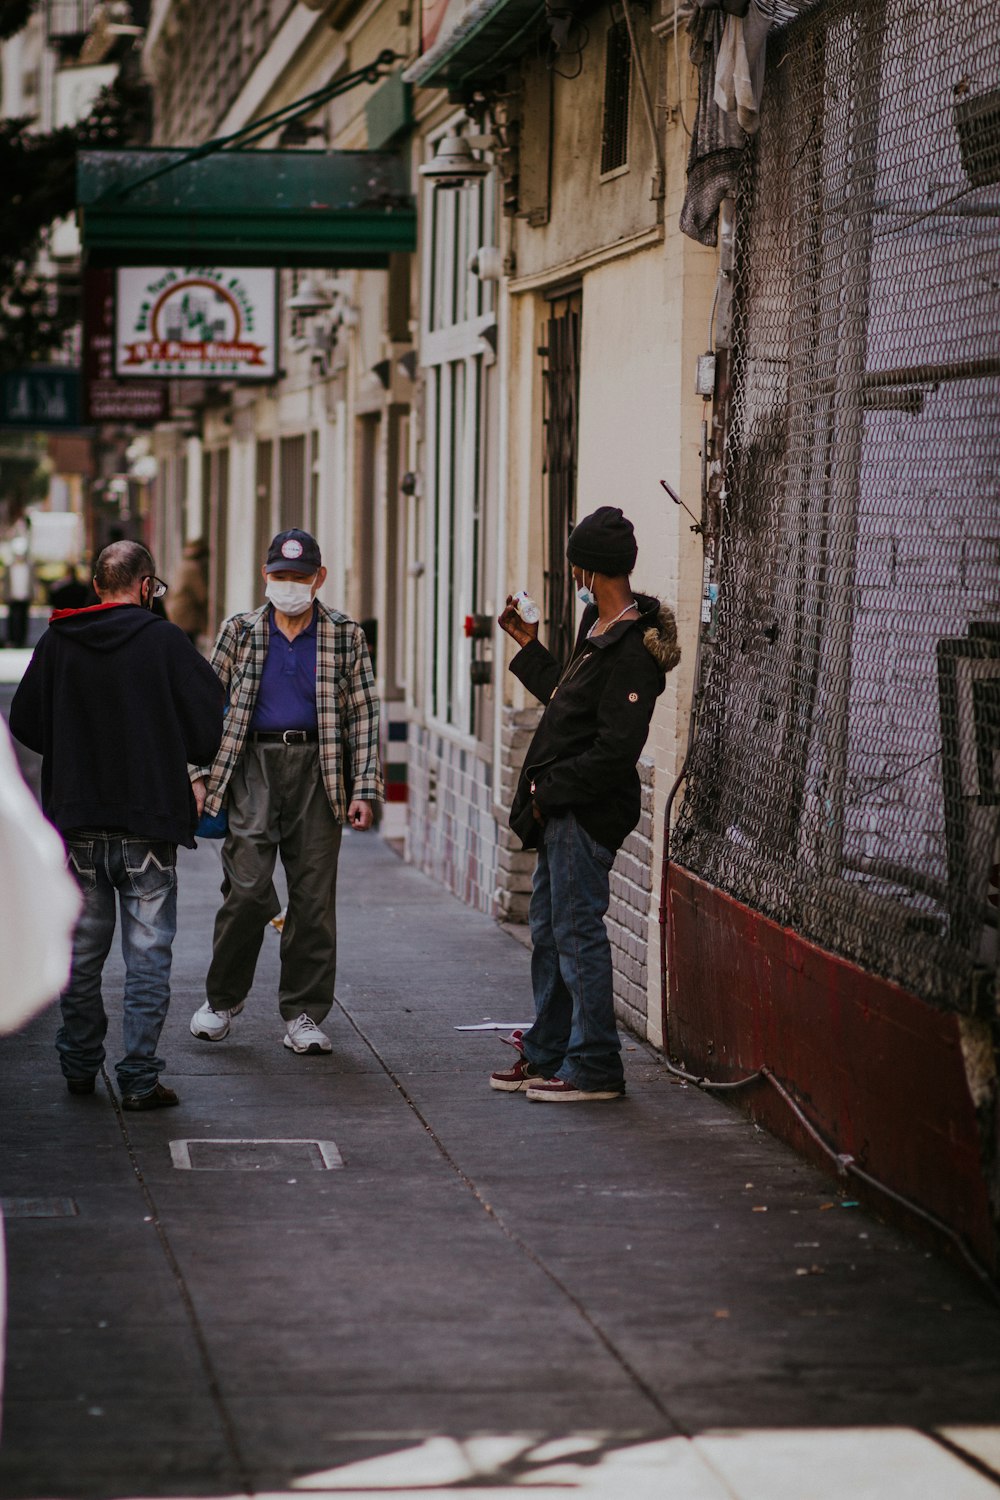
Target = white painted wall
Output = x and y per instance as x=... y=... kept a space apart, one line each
x=521 y=506
x=243 y=586
x=193 y=528
x=331 y=500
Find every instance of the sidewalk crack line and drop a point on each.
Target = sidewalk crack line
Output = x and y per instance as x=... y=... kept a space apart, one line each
x=515 y=1239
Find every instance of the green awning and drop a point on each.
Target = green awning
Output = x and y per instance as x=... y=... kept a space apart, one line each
x=343 y=209
x=491 y=35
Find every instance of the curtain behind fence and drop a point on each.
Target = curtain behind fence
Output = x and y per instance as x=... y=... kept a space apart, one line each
x=846 y=775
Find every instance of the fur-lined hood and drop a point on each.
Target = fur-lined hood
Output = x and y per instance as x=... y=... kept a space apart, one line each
x=660 y=638
x=659 y=631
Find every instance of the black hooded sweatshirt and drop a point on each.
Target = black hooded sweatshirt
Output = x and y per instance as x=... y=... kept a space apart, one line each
x=584 y=752
x=117 y=701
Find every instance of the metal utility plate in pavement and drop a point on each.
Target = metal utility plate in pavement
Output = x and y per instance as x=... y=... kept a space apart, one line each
x=347 y=209
x=237 y=1155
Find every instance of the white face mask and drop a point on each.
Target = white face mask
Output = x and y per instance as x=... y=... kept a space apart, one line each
x=584 y=594
x=289 y=598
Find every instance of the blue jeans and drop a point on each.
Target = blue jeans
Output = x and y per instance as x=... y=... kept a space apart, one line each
x=574 y=1035
x=144 y=875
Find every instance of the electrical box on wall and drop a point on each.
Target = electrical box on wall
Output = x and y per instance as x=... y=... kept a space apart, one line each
x=704 y=383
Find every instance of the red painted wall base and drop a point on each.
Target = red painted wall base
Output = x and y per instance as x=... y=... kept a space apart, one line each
x=876 y=1069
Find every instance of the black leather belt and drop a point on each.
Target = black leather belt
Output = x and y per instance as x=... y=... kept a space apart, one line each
x=285 y=736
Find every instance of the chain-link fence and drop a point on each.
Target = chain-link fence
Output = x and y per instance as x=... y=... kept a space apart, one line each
x=846 y=775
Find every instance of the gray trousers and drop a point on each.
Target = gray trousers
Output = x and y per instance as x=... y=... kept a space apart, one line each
x=277 y=804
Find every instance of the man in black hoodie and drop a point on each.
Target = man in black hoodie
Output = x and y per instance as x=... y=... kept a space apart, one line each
x=577 y=800
x=118 y=702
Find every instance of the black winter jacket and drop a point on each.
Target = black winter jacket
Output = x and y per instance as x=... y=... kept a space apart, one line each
x=117 y=701
x=584 y=752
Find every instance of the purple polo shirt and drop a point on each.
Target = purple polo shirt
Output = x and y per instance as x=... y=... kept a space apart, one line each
x=287 y=697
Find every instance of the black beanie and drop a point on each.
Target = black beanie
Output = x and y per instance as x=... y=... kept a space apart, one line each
x=603 y=542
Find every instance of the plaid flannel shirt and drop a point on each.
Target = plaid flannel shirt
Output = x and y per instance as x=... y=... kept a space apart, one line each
x=346 y=705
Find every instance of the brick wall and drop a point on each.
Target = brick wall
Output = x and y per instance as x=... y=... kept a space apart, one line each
x=628 y=919
x=514 y=867
x=452 y=833
x=455 y=836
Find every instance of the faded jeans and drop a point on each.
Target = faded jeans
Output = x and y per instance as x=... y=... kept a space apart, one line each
x=574 y=1035
x=143 y=875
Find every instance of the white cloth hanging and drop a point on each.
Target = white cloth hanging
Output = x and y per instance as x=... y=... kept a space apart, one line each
x=739 y=73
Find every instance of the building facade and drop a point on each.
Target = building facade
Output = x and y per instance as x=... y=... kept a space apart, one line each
x=636 y=268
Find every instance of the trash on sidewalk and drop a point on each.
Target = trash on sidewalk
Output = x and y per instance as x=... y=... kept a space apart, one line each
x=495 y=1025
x=278 y=922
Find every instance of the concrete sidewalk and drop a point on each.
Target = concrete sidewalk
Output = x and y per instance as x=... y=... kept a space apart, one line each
x=642 y=1298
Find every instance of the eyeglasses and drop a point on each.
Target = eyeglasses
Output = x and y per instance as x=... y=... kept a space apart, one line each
x=159 y=587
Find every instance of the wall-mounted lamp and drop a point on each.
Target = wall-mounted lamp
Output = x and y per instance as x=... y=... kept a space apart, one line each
x=454 y=166
x=383 y=373
x=297 y=133
x=310 y=299
x=487 y=263
x=322 y=342
x=408 y=364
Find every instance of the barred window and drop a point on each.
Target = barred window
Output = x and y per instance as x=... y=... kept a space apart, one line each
x=617 y=80
x=210 y=59
x=69 y=20
x=561 y=353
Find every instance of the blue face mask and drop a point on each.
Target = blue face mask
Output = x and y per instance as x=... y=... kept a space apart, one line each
x=584 y=594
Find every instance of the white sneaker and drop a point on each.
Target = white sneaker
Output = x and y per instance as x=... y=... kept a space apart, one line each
x=304 y=1035
x=212 y=1025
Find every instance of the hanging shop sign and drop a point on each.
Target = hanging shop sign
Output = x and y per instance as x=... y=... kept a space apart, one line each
x=194 y=323
x=41 y=398
x=105 y=399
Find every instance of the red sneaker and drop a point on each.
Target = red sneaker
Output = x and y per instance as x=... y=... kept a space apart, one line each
x=557 y=1090
x=516 y=1039
x=516 y=1077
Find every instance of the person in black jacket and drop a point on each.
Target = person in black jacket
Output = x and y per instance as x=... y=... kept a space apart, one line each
x=118 y=702
x=70 y=591
x=577 y=799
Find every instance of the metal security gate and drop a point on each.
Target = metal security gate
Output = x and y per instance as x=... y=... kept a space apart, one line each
x=846 y=776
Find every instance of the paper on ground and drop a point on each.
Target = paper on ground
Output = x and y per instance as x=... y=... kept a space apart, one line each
x=498 y=1026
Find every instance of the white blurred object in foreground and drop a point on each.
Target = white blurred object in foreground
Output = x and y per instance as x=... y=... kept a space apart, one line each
x=39 y=900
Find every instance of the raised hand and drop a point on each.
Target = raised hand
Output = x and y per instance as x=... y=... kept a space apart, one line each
x=511 y=622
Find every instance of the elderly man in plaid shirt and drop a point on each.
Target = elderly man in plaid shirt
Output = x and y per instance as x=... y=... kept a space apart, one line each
x=299 y=758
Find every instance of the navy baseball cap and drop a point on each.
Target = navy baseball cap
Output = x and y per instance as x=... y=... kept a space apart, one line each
x=294 y=551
